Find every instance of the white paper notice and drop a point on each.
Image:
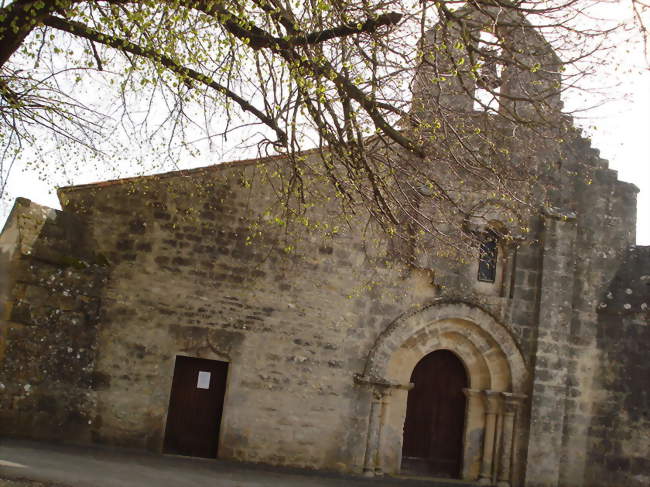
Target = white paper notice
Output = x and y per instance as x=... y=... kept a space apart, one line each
x=204 y=380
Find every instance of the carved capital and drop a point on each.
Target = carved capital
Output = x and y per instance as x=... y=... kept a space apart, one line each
x=562 y=214
x=472 y=393
x=512 y=402
x=378 y=383
x=493 y=401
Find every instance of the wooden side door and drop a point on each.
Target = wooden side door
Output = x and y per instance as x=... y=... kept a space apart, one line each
x=435 y=416
x=195 y=407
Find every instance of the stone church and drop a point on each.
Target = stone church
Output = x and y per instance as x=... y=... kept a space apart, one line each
x=143 y=315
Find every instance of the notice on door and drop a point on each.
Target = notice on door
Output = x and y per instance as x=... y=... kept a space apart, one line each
x=203 y=381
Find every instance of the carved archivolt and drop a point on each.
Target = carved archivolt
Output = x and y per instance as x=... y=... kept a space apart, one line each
x=498 y=216
x=475 y=335
x=497 y=376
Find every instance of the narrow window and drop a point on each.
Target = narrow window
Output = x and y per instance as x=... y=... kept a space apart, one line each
x=488 y=253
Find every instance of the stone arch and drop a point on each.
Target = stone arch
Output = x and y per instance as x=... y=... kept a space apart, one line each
x=495 y=368
x=467 y=320
x=415 y=348
x=503 y=218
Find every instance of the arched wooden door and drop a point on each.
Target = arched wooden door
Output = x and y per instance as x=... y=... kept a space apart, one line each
x=435 y=416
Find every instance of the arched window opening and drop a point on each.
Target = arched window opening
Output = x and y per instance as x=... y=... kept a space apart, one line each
x=488 y=257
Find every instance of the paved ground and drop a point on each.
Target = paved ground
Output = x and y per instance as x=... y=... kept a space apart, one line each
x=31 y=464
x=26 y=483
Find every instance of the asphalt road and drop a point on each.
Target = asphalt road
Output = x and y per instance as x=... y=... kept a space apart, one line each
x=49 y=465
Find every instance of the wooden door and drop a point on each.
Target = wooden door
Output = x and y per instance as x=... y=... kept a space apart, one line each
x=435 y=416
x=195 y=407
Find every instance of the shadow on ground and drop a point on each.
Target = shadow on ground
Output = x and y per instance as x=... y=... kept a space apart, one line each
x=34 y=464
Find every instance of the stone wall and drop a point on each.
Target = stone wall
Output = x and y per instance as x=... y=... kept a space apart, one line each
x=606 y=217
x=200 y=268
x=619 y=432
x=593 y=223
x=50 y=313
x=190 y=277
x=201 y=263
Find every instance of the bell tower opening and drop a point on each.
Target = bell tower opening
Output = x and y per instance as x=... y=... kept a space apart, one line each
x=435 y=417
x=488 y=74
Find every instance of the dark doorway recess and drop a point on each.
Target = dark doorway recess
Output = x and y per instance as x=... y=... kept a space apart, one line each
x=195 y=407
x=435 y=417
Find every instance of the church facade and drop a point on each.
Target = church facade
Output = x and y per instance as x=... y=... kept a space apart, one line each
x=147 y=313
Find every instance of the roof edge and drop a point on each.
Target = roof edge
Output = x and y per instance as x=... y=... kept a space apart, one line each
x=181 y=172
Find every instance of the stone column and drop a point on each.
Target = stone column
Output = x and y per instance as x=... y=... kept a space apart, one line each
x=491 y=410
x=506 y=284
x=548 y=400
x=372 y=444
x=511 y=405
x=383 y=405
x=381 y=390
x=472 y=446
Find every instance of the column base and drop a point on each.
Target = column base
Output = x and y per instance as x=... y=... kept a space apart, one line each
x=485 y=481
x=503 y=483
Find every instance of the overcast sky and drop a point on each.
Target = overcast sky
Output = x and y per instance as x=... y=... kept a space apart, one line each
x=623 y=137
x=622 y=130
x=622 y=133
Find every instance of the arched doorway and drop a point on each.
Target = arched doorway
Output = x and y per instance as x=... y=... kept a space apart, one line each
x=435 y=416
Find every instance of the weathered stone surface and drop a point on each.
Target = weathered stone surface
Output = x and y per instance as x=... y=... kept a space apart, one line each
x=619 y=430
x=51 y=285
x=322 y=330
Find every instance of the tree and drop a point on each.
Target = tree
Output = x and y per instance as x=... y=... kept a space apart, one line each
x=327 y=73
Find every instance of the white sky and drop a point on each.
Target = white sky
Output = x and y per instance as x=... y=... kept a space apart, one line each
x=622 y=133
x=623 y=137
